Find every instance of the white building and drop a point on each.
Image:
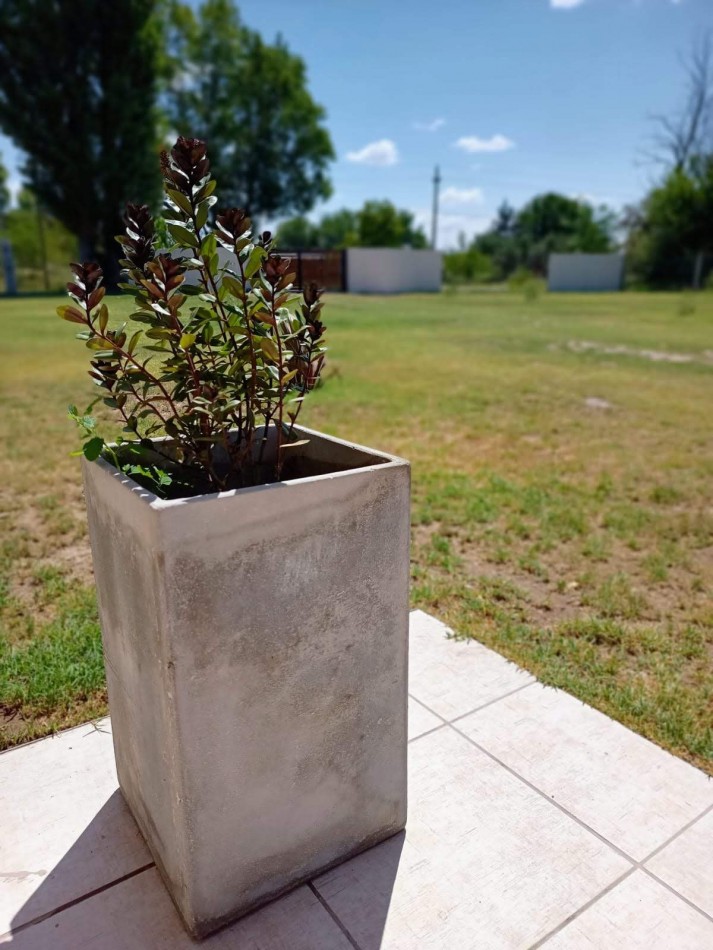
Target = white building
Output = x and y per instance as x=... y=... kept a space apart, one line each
x=585 y=272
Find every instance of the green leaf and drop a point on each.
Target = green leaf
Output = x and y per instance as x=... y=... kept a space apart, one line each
x=179 y=199
x=187 y=340
x=209 y=245
x=182 y=235
x=70 y=313
x=103 y=318
x=255 y=259
x=233 y=284
x=269 y=348
x=202 y=214
x=133 y=341
x=205 y=190
x=92 y=449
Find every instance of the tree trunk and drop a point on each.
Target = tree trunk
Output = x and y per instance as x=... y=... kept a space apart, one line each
x=698 y=270
x=112 y=252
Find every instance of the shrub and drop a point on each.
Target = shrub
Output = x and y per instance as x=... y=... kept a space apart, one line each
x=226 y=358
x=525 y=282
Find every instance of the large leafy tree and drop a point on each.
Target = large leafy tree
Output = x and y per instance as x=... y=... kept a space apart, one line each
x=382 y=224
x=553 y=223
x=249 y=100
x=77 y=91
x=376 y=224
x=547 y=224
x=298 y=232
x=338 y=229
x=672 y=233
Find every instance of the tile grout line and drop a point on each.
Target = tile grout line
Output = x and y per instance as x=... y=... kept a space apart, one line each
x=636 y=865
x=673 y=890
x=580 y=910
x=77 y=900
x=529 y=784
x=493 y=701
x=476 y=709
x=605 y=891
x=678 y=834
x=325 y=904
x=441 y=725
x=546 y=797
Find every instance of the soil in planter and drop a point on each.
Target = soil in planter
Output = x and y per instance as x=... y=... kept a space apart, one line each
x=190 y=482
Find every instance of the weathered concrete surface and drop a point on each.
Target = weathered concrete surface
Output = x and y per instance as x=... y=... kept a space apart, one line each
x=256 y=653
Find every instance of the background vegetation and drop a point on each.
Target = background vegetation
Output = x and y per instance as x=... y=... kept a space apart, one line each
x=561 y=510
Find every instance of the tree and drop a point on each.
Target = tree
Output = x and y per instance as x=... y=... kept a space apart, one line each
x=376 y=224
x=4 y=192
x=504 y=224
x=296 y=233
x=689 y=132
x=381 y=224
x=674 y=229
x=249 y=100
x=547 y=224
x=77 y=96
x=553 y=223
x=468 y=266
x=339 y=229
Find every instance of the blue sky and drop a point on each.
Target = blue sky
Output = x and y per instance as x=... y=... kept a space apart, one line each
x=509 y=97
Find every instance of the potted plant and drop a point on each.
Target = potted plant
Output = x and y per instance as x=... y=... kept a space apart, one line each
x=251 y=574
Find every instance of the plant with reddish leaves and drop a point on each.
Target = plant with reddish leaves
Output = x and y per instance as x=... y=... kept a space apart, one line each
x=225 y=352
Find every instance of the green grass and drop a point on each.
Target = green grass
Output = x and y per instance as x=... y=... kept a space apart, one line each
x=576 y=540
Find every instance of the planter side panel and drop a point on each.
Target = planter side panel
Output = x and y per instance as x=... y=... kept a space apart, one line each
x=288 y=623
x=129 y=579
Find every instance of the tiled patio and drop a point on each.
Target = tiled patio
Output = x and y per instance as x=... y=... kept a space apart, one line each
x=533 y=821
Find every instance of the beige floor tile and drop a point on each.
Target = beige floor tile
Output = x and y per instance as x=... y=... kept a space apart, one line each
x=138 y=915
x=420 y=720
x=65 y=827
x=687 y=864
x=453 y=677
x=638 y=914
x=624 y=787
x=485 y=863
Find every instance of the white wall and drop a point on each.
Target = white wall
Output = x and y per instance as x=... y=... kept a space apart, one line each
x=390 y=270
x=582 y=272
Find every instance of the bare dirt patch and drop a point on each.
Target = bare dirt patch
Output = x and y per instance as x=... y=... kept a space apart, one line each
x=619 y=349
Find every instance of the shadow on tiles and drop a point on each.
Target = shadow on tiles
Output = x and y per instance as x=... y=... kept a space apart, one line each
x=132 y=908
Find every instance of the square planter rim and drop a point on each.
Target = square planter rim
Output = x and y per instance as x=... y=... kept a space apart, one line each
x=160 y=504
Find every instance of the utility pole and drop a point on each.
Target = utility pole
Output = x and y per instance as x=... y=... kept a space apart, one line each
x=434 y=214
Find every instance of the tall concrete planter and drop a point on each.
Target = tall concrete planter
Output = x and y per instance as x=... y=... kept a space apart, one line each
x=256 y=656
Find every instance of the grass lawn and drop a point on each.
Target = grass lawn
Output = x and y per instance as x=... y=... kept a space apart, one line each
x=562 y=472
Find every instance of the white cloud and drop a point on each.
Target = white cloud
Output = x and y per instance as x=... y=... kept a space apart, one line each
x=383 y=152
x=462 y=196
x=567 y=4
x=496 y=143
x=432 y=126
